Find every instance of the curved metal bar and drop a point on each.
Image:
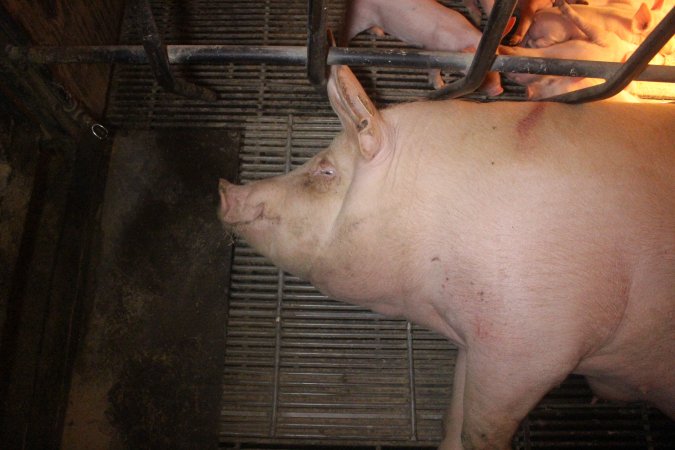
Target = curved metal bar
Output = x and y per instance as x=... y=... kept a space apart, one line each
x=485 y=53
x=317 y=44
x=629 y=70
x=159 y=59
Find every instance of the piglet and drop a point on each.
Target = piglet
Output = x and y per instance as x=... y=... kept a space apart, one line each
x=597 y=44
x=527 y=10
x=539 y=87
x=550 y=26
x=424 y=23
x=539 y=238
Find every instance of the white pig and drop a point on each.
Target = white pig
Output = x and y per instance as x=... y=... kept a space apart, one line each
x=544 y=86
x=527 y=10
x=598 y=45
x=539 y=238
x=424 y=23
x=550 y=26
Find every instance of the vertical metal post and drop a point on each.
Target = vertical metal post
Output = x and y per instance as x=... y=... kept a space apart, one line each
x=411 y=380
x=159 y=59
x=485 y=53
x=646 y=425
x=317 y=44
x=277 y=354
x=280 y=298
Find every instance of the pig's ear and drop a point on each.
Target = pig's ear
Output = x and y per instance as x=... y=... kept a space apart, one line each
x=658 y=4
x=509 y=26
x=356 y=111
x=642 y=19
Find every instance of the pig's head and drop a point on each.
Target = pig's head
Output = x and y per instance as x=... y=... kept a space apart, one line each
x=291 y=218
x=645 y=20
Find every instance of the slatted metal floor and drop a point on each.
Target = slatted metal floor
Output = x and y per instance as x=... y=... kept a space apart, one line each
x=301 y=370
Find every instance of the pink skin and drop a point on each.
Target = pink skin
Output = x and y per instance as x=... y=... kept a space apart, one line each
x=544 y=86
x=540 y=238
x=598 y=44
x=424 y=23
x=528 y=9
x=550 y=26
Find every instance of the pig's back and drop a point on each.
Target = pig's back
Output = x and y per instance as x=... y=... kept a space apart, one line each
x=539 y=130
x=609 y=155
x=626 y=151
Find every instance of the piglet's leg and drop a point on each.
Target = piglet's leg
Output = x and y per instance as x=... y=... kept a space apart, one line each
x=526 y=19
x=436 y=78
x=377 y=31
x=595 y=33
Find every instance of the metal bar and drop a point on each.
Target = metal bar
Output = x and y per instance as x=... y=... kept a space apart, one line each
x=632 y=67
x=280 y=303
x=67 y=301
x=159 y=60
x=17 y=86
x=577 y=68
x=647 y=426
x=411 y=380
x=177 y=54
x=485 y=53
x=297 y=56
x=34 y=89
x=277 y=354
x=317 y=43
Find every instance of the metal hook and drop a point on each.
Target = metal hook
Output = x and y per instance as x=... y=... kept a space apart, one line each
x=99 y=131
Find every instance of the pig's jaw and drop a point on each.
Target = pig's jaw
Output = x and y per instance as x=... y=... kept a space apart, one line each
x=257 y=223
x=253 y=214
x=268 y=236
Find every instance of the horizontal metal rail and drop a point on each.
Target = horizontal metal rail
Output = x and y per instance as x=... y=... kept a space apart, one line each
x=297 y=56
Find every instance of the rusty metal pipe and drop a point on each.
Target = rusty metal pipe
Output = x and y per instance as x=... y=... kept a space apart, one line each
x=297 y=56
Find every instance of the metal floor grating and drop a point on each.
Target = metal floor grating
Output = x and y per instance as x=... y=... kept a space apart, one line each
x=301 y=370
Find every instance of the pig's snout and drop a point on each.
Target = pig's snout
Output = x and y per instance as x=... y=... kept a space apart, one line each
x=235 y=207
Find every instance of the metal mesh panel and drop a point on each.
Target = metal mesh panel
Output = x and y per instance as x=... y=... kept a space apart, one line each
x=301 y=370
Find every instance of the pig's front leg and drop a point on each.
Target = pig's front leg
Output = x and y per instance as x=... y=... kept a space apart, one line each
x=452 y=422
x=500 y=388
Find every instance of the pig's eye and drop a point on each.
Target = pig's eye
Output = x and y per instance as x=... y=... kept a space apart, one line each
x=322 y=176
x=325 y=169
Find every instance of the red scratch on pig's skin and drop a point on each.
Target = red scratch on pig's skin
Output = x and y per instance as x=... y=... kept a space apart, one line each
x=481 y=331
x=528 y=122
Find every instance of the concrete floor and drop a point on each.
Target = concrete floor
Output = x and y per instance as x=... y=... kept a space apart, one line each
x=149 y=372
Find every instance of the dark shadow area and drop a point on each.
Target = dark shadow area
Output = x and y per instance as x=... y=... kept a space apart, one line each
x=149 y=373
